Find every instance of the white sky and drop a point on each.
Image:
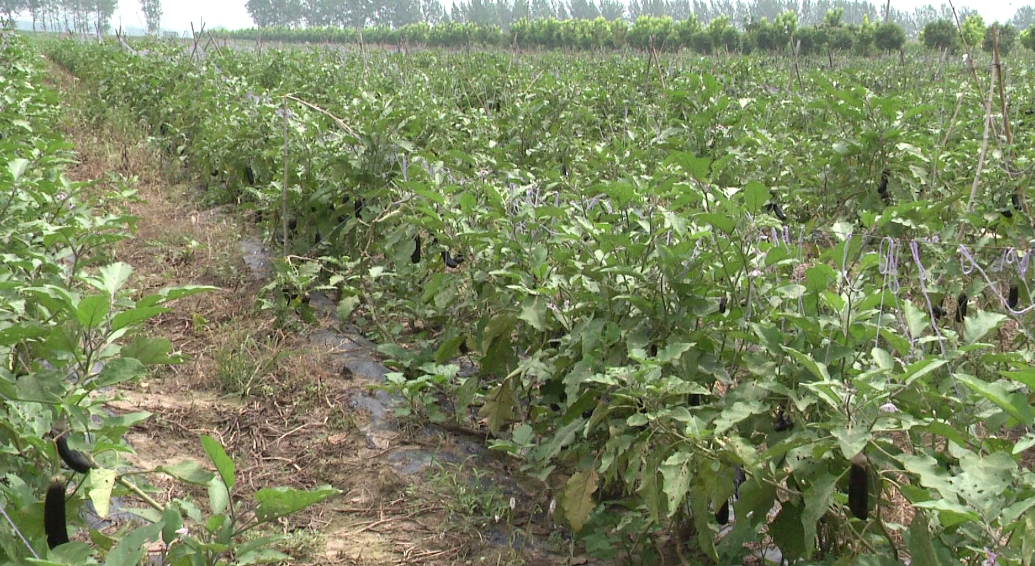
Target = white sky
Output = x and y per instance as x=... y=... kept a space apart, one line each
x=231 y=13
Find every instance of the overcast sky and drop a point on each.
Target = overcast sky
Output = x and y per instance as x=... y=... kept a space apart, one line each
x=231 y=13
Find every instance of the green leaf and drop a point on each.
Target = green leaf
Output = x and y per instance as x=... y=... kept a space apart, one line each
x=699 y=507
x=218 y=496
x=130 y=550
x=882 y=358
x=819 y=277
x=921 y=549
x=27 y=330
x=720 y=222
x=173 y=521
x=395 y=352
x=932 y=474
x=755 y=196
x=676 y=474
x=916 y=320
x=120 y=370
x=188 y=471
x=1028 y=544
x=533 y=311
x=817 y=501
x=346 y=306
x=916 y=370
x=448 y=349
x=1015 y=404
x=114 y=277
x=126 y=318
x=262 y=556
x=788 y=532
x=734 y=414
x=17 y=167
x=224 y=465
x=817 y=369
x=282 y=501
x=524 y=434
x=1011 y=513
x=1025 y=376
x=149 y=351
x=650 y=493
x=949 y=514
x=256 y=545
x=637 y=420
x=944 y=429
x=215 y=523
x=673 y=352
x=467 y=202
x=978 y=325
x=697 y=167
x=93 y=310
x=578 y=498
x=852 y=441
x=102 y=481
x=123 y=421
x=465 y=395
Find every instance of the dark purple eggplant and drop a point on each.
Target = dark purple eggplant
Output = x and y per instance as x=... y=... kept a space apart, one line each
x=54 y=515
x=73 y=458
x=859 y=487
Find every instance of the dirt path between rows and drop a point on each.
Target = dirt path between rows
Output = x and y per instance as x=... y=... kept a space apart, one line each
x=292 y=408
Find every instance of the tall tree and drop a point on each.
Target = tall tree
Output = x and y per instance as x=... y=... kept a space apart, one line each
x=398 y=13
x=541 y=9
x=678 y=9
x=503 y=12
x=477 y=11
x=11 y=7
x=102 y=11
x=266 y=13
x=655 y=8
x=34 y=7
x=261 y=12
x=152 y=14
x=357 y=13
x=1023 y=17
x=522 y=9
x=432 y=12
x=703 y=11
x=1007 y=38
x=611 y=10
x=322 y=12
x=583 y=10
x=941 y=34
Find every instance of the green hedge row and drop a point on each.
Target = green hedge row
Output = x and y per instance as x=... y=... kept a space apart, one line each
x=664 y=33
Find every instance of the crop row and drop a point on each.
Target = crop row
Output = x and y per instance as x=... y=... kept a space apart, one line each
x=69 y=337
x=635 y=335
x=66 y=330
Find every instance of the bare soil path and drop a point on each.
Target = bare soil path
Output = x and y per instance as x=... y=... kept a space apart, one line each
x=292 y=408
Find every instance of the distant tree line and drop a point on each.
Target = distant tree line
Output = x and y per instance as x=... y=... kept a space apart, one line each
x=503 y=13
x=780 y=34
x=662 y=32
x=79 y=16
